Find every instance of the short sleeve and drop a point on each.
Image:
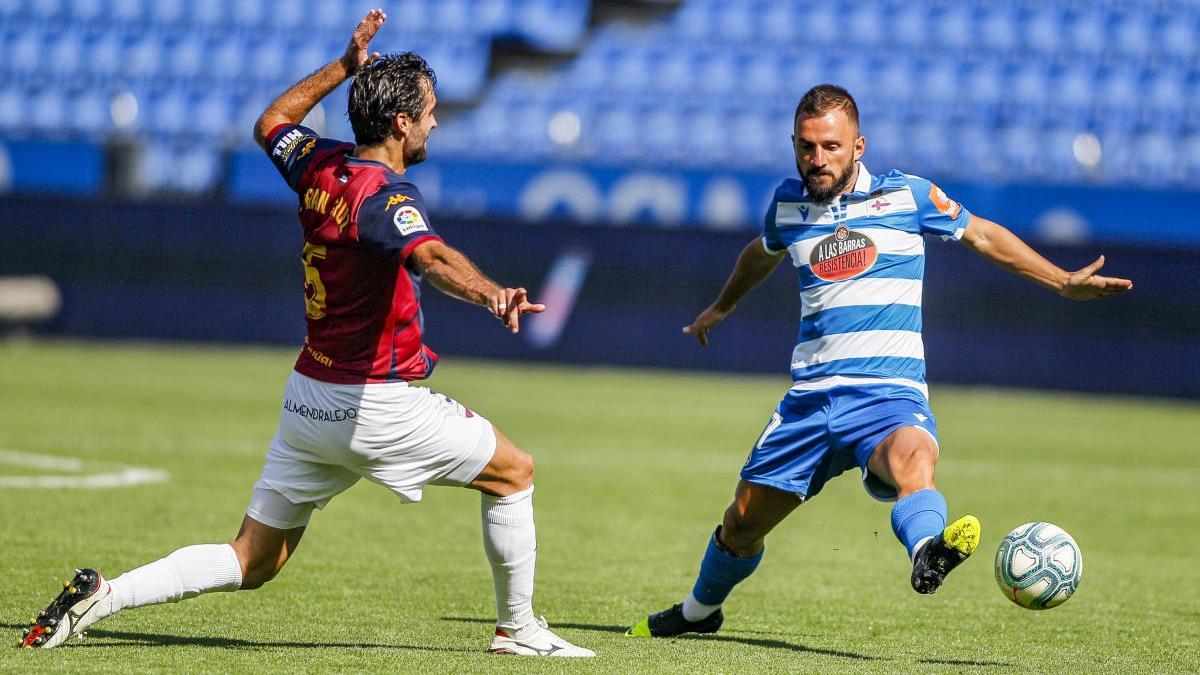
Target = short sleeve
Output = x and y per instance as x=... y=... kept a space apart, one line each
x=292 y=147
x=770 y=236
x=937 y=213
x=394 y=221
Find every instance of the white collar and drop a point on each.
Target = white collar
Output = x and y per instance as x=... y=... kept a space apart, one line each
x=863 y=182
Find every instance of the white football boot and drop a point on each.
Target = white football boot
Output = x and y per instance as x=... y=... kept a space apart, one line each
x=535 y=639
x=79 y=605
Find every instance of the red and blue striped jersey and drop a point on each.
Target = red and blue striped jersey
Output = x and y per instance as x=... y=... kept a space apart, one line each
x=361 y=221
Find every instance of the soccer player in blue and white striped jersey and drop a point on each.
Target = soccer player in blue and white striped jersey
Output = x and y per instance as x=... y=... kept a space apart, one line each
x=859 y=398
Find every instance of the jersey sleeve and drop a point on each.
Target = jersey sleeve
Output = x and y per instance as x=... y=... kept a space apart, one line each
x=770 y=235
x=394 y=221
x=937 y=213
x=292 y=147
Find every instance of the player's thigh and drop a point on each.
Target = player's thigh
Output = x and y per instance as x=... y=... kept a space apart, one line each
x=410 y=437
x=509 y=471
x=793 y=453
x=905 y=459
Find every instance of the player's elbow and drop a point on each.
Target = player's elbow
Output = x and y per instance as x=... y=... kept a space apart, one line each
x=430 y=258
x=263 y=127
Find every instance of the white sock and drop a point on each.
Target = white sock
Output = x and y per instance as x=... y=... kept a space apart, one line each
x=511 y=546
x=918 y=547
x=186 y=573
x=694 y=610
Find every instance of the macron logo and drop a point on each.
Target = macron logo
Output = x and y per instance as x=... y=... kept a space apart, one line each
x=803 y=213
x=920 y=417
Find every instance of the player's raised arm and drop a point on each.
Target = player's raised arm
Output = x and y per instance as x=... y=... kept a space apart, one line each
x=294 y=104
x=996 y=243
x=753 y=266
x=455 y=275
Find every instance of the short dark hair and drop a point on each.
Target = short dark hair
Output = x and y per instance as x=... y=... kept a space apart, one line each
x=384 y=88
x=824 y=98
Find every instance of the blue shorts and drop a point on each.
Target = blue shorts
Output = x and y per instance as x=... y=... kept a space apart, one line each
x=816 y=435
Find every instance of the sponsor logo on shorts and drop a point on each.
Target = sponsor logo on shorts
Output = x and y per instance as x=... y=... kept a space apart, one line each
x=320 y=414
x=408 y=221
x=843 y=255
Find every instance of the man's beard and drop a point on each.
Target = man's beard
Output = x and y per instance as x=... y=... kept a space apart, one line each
x=823 y=195
x=416 y=156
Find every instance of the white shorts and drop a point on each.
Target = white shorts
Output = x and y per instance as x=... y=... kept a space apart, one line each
x=330 y=435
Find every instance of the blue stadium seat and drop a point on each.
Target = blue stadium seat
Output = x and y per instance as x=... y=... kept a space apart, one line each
x=998 y=79
x=1086 y=30
x=1000 y=27
x=1176 y=35
x=125 y=12
x=27 y=53
x=1189 y=151
x=105 y=56
x=551 y=24
x=83 y=12
x=47 y=111
x=167 y=12
x=208 y=14
x=178 y=167
x=46 y=9
x=13 y=109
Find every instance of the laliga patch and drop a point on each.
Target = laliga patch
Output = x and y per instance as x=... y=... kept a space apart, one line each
x=843 y=255
x=408 y=220
x=947 y=206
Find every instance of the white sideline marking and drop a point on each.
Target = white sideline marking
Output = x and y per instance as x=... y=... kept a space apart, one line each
x=123 y=477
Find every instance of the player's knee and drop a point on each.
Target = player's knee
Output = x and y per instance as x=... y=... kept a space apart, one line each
x=738 y=534
x=256 y=573
x=522 y=472
x=257 y=567
x=909 y=458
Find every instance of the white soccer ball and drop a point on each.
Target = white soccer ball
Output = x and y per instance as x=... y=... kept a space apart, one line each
x=1038 y=566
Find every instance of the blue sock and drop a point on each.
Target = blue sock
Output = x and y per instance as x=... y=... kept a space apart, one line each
x=720 y=572
x=920 y=515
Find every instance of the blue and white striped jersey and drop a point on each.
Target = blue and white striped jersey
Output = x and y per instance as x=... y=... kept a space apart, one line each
x=861 y=262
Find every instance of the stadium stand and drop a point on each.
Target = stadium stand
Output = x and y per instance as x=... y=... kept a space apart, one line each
x=1057 y=91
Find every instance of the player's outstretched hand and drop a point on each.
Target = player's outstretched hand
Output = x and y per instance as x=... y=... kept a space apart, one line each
x=356 y=55
x=707 y=320
x=1087 y=285
x=508 y=304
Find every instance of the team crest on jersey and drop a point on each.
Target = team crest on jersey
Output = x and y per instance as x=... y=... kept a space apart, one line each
x=843 y=255
x=408 y=220
x=396 y=199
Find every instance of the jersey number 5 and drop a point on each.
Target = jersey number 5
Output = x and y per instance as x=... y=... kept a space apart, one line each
x=314 y=290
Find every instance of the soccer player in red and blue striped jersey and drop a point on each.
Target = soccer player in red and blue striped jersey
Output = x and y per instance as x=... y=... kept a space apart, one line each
x=349 y=411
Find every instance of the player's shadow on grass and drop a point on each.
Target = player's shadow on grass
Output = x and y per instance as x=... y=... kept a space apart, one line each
x=116 y=638
x=754 y=642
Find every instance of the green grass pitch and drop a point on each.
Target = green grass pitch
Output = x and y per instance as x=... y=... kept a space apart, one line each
x=634 y=470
